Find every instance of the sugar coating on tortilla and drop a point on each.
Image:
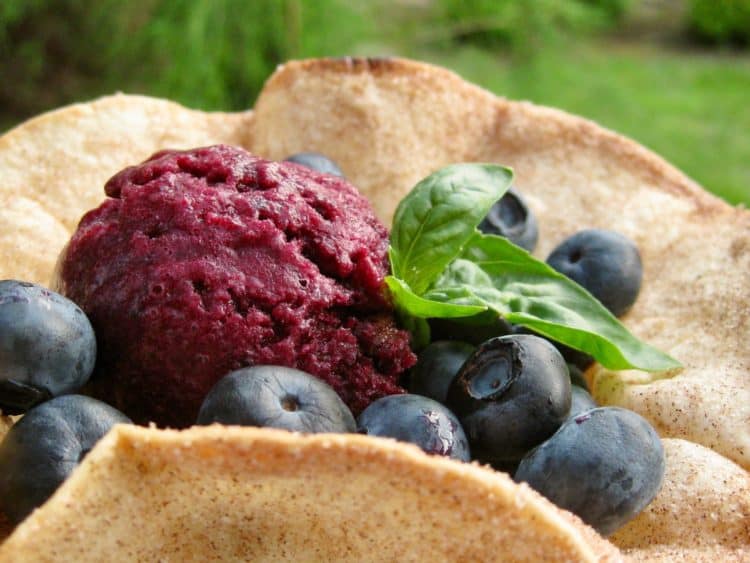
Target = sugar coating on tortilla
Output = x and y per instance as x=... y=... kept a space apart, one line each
x=701 y=513
x=28 y=226
x=266 y=495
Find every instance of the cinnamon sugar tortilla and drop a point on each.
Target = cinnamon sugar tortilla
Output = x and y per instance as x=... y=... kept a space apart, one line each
x=702 y=512
x=388 y=123
x=265 y=495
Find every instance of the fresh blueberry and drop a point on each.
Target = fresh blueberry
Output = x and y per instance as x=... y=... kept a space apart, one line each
x=606 y=263
x=508 y=467
x=510 y=395
x=580 y=401
x=45 y=446
x=576 y=377
x=574 y=357
x=436 y=367
x=510 y=217
x=419 y=420
x=473 y=330
x=279 y=397
x=317 y=162
x=570 y=355
x=47 y=346
x=605 y=465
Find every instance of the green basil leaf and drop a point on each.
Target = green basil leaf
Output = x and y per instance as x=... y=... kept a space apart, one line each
x=527 y=291
x=434 y=221
x=450 y=305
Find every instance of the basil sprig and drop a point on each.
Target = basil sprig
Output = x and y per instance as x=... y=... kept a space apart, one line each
x=443 y=267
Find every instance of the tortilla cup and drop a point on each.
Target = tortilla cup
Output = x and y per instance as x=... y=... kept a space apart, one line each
x=389 y=123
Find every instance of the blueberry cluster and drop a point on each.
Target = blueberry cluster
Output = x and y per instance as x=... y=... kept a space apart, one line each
x=47 y=352
x=515 y=398
x=316 y=161
x=290 y=399
x=278 y=397
x=47 y=346
x=523 y=401
x=43 y=448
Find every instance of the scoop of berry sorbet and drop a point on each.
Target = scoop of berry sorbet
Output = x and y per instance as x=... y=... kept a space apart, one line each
x=204 y=261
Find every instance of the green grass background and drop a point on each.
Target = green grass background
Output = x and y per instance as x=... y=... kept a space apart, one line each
x=632 y=65
x=691 y=108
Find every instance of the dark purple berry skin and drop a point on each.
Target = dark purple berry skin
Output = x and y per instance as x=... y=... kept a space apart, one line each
x=580 y=401
x=47 y=346
x=576 y=377
x=571 y=356
x=511 y=218
x=316 y=161
x=510 y=395
x=605 y=465
x=606 y=263
x=278 y=397
x=45 y=446
x=473 y=330
x=419 y=420
x=436 y=367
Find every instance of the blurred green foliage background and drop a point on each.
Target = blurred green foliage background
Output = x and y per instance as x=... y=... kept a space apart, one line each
x=672 y=74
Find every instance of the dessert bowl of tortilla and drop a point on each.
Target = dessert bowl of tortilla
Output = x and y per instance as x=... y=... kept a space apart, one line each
x=232 y=493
